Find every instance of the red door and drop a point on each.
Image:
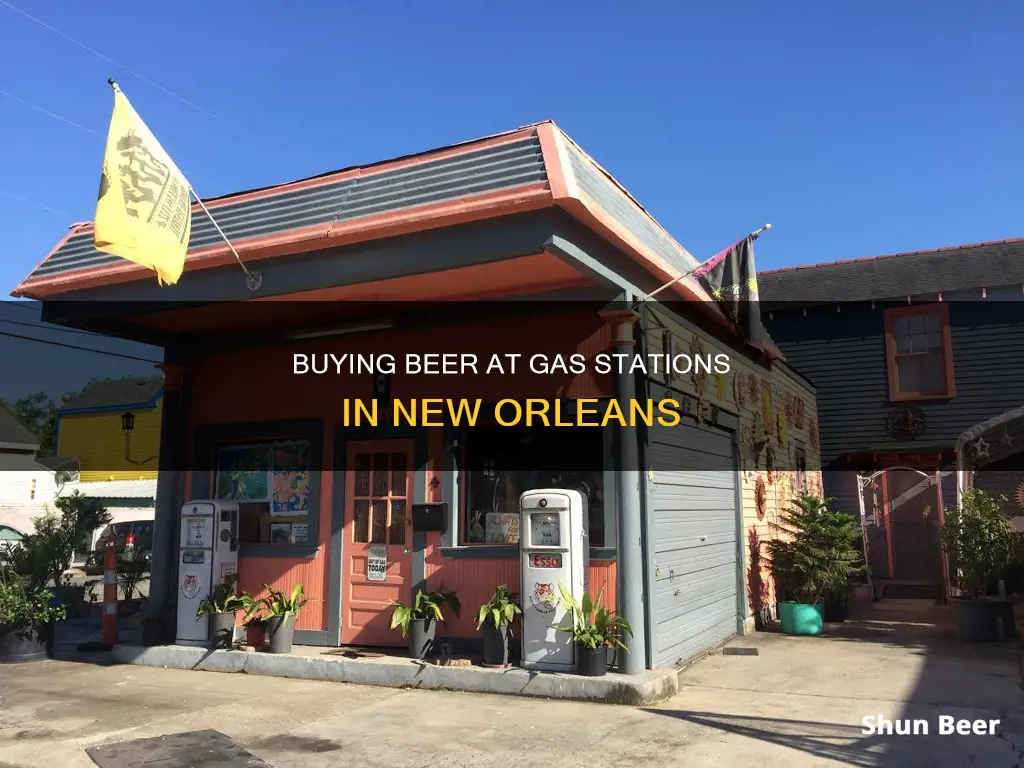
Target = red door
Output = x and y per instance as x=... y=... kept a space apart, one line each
x=377 y=558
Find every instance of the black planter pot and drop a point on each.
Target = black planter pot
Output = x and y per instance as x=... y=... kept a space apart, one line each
x=72 y=598
x=976 y=620
x=496 y=645
x=281 y=631
x=421 y=637
x=836 y=609
x=222 y=630
x=24 y=642
x=592 y=662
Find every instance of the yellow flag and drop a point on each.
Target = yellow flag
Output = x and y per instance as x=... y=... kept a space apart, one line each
x=143 y=213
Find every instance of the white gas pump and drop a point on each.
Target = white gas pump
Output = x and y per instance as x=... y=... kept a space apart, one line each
x=554 y=549
x=209 y=552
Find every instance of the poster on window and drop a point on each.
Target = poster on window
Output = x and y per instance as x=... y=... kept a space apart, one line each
x=300 y=533
x=242 y=472
x=502 y=528
x=290 y=478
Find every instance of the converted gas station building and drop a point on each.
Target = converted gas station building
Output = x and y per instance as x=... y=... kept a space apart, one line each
x=385 y=258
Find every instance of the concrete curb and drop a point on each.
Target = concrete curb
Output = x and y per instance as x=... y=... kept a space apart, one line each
x=633 y=690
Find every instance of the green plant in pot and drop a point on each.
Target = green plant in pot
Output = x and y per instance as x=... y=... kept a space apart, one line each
x=419 y=621
x=979 y=541
x=594 y=630
x=222 y=606
x=27 y=617
x=282 y=609
x=816 y=560
x=495 y=620
x=45 y=555
x=151 y=622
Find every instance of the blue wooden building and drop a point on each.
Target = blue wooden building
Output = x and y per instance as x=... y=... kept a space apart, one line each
x=907 y=352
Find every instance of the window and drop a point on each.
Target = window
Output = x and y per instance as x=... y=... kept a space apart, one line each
x=270 y=480
x=496 y=479
x=919 y=352
x=380 y=498
x=32 y=491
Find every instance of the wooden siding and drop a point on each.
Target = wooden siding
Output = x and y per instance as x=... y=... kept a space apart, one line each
x=781 y=482
x=843 y=354
x=99 y=442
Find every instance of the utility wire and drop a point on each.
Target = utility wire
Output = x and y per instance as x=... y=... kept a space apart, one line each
x=47 y=112
x=56 y=329
x=19 y=198
x=129 y=70
x=83 y=349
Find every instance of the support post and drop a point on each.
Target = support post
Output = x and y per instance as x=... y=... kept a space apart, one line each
x=108 y=626
x=630 y=563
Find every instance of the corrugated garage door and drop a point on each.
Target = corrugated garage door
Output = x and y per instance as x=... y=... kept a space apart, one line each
x=694 y=540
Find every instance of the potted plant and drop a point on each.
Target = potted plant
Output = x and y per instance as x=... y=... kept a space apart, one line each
x=282 y=610
x=418 y=621
x=594 y=629
x=495 y=621
x=221 y=606
x=254 y=621
x=45 y=555
x=816 y=561
x=133 y=567
x=26 y=619
x=979 y=541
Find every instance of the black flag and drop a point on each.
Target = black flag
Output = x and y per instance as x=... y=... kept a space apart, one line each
x=730 y=277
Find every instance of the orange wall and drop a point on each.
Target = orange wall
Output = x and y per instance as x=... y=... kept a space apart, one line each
x=259 y=385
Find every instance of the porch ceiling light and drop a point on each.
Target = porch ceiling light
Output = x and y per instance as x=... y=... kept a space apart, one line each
x=127 y=422
x=344 y=329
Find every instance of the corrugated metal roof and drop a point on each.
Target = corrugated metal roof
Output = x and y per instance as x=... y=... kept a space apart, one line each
x=474 y=172
x=114 y=489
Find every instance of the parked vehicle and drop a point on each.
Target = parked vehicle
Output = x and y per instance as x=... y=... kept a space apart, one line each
x=141 y=532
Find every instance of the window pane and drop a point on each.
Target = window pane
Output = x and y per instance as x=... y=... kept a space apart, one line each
x=362 y=473
x=396 y=533
x=495 y=487
x=919 y=342
x=935 y=342
x=398 y=469
x=380 y=521
x=922 y=374
x=916 y=324
x=380 y=474
x=901 y=327
x=931 y=323
x=361 y=521
x=903 y=344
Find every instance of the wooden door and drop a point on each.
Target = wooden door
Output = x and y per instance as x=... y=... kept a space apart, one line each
x=378 y=527
x=914 y=520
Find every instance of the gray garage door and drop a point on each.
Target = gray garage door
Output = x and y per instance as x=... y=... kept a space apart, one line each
x=694 y=540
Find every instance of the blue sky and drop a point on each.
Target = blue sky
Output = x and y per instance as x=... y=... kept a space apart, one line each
x=855 y=128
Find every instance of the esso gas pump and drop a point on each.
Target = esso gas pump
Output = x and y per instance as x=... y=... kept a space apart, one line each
x=209 y=553
x=554 y=550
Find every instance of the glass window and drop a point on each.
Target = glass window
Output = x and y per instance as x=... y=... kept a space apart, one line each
x=918 y=355
x=496 y=478
x=270 y=480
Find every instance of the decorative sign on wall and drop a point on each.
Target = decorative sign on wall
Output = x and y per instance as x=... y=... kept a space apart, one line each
x=1019 y=495
x=760 y=498
x=907 y=422
x=738 y=391
x=377 y=563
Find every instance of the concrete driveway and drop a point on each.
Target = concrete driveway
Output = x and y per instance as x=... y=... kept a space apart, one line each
x=799 y=702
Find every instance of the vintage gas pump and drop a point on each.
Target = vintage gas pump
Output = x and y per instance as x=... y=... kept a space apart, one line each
x=554 y=549
x=209 y=552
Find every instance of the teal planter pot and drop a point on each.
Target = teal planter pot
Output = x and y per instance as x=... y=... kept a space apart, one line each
x=802 y=618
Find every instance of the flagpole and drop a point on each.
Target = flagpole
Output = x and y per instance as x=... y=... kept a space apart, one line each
x=253 y=279
x=753 y=236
